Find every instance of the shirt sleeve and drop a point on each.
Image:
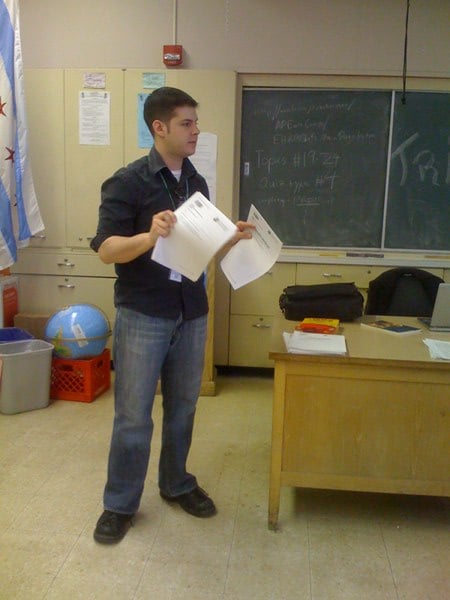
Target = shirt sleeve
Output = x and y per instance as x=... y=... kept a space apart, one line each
x=117 y=210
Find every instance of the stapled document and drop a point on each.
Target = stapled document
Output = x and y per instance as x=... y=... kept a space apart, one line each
x=249 y=259
x=200 y=231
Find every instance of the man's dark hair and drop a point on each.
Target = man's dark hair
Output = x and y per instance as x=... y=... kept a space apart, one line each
x=162 y=103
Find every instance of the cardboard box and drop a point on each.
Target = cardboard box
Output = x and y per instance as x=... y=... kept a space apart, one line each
x=34 y=323
x=9 y=300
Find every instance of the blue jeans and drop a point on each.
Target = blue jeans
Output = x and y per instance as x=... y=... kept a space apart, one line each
x=146 y=349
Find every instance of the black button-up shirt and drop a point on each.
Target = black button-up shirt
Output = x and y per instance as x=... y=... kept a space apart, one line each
x=129 y=199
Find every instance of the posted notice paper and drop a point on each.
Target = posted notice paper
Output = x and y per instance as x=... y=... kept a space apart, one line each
x=200 y=231
x=249 y=259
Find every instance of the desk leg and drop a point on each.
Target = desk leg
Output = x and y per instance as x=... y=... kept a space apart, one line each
x=277 y=443
x=274 y=501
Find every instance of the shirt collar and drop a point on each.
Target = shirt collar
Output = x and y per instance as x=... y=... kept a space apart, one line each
x=156 y=164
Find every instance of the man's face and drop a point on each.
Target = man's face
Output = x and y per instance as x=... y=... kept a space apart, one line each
x=180 y=134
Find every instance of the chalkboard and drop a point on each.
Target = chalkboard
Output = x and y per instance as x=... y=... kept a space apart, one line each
x=418 y=208
x=315 y=163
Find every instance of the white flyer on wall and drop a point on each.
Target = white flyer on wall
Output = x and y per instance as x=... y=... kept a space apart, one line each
x=94 y=118
x=205 y=161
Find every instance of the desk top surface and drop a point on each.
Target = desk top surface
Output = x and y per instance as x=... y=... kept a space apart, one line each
x=365 y=343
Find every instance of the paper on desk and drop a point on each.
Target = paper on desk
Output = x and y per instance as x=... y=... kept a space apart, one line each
x=300 y=342
x=438 y=348
x=201 y=229
x=249 y=259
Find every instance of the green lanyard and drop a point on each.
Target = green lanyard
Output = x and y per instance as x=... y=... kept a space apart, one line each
x=174 y=205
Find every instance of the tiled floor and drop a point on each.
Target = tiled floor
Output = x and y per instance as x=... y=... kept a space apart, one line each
x=331 y=545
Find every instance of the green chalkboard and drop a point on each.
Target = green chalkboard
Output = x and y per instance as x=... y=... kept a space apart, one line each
x=418 y=209
x=315 y=163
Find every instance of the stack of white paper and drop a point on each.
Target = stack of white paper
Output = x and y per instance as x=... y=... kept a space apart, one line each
x=300 y=342
x=438 y=348
x=201 y=230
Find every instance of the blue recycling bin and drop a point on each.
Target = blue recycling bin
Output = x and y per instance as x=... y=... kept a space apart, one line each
x=14 y=334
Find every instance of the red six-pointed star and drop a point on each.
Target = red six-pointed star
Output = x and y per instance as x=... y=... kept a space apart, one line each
x=11 y=154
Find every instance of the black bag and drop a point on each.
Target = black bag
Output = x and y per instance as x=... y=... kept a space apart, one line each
x=340 y=301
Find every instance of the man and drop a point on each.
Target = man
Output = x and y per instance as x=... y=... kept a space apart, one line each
x=160 y=328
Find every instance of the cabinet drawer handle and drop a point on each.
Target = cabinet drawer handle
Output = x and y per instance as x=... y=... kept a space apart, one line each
x=261 y=326
x=69 y=286
x=39 y=237
x=65 y=264
x=332 y=274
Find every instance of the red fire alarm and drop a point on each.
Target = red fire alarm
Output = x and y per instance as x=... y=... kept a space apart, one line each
x=172 y=55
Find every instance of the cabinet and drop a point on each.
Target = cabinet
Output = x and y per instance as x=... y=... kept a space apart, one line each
x=252 y=309
x=87 y=166
x=67 y=176
x=46 y=143
x=49 y=281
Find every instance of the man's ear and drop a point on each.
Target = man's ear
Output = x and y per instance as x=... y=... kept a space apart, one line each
x=159 y=127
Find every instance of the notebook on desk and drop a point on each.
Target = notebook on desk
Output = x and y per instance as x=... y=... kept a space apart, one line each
x=440 y=319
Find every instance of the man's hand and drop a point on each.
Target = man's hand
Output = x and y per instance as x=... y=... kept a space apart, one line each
x=243 y=232
x=162 y=224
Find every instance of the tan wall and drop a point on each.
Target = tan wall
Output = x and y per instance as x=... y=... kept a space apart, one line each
x=267 y=36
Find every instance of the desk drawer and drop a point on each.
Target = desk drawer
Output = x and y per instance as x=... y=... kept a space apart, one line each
x=64 y=263
x=49 y=293
x=309 y=274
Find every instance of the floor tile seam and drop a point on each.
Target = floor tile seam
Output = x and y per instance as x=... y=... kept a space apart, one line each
x=236 y=510
x=388 y=558
x=75 y=445
x=308 y=535
x=55 y=576
x=35 y=494
x=149 y=557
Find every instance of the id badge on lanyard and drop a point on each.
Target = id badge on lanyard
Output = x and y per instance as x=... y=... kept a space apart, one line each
x=175 y=276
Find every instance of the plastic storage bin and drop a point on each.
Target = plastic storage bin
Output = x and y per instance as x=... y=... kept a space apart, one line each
x=14 y=334
x=25 y=368
x=80 y=379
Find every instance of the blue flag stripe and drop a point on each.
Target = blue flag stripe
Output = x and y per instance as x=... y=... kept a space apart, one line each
x=7 y=43
x=6 y=223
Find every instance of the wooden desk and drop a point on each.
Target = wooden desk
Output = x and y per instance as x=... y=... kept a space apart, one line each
x=376 y=420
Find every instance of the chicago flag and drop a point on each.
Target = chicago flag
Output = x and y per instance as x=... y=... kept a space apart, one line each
x=19 y=212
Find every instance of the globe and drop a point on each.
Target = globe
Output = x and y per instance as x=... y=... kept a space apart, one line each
x=78 y=331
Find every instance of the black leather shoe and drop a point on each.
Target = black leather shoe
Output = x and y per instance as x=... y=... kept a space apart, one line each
x=111 y=527
x=197 y=502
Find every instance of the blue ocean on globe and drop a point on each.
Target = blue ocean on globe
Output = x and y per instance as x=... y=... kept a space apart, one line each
x=78 y=331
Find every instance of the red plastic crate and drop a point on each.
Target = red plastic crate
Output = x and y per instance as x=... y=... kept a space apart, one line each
x=81 y=380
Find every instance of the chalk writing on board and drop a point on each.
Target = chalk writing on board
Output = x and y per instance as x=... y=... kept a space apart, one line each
x=305 y=156
x=316 y=162
x=418 y=207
